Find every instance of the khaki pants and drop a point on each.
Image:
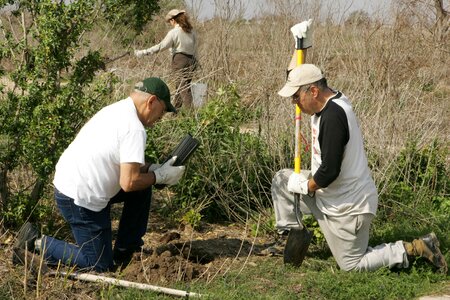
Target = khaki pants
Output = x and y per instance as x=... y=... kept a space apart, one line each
x=183 y=67
x=347 y=236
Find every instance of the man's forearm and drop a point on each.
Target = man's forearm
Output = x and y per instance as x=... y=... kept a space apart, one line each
x=132 y=177
x=140 y=182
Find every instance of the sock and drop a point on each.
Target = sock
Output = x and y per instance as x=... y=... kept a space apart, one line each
x=38 y=245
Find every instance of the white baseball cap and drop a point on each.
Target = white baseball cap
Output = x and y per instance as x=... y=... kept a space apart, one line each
x=173 y=13
x=299 y=76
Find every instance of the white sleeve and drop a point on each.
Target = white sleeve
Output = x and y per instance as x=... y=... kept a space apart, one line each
x=166 y=43
x=132 y=147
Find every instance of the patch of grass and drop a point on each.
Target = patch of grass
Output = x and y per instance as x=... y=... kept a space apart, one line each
x=317 y=279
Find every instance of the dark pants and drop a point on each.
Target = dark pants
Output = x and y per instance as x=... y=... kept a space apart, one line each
x=183 y=66
x=92 y=231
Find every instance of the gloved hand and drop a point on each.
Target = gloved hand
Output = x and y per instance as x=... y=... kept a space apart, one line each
x=153 y=167
x=298 y=182
x=140 y=53
x=168 y=174
x=303 y=31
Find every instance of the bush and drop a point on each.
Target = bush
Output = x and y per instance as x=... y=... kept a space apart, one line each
x=229 y=174
x=419 y=178
x=416 y=198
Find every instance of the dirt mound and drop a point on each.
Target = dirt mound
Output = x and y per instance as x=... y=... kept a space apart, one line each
x=185 y=259
x=162 y=268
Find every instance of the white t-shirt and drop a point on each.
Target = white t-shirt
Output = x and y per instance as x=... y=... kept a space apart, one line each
x=89 y=169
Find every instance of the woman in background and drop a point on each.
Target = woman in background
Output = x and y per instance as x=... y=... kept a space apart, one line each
x=182 y=41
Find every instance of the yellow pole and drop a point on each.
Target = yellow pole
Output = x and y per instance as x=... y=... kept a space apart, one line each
x=298 y=114
x=300 y=57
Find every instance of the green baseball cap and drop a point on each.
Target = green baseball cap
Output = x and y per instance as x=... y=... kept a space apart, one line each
x=157 y=87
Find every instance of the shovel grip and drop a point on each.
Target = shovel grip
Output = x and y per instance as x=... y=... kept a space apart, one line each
x=183 y=151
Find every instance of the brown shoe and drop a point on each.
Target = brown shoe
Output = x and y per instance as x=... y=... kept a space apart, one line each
x=33 y=262
x=26 y=237
x=277 y=248
x=428 y=247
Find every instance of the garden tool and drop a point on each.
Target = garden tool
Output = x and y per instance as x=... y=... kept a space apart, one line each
x=183 y=151
x=110 y=60
x=299 y=238
x=124 y=283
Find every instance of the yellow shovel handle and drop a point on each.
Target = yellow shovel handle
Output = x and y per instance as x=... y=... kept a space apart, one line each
x=298 y=119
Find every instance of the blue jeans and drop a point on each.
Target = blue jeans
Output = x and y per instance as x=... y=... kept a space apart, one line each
x=92 y=231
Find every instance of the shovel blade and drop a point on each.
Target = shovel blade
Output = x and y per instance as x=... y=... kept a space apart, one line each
x=296 y=246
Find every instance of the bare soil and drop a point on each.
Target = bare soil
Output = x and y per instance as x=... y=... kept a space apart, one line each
x=184 y=254
x=171 y=253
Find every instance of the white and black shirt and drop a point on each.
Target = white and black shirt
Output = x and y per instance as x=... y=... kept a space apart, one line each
x=338 y=161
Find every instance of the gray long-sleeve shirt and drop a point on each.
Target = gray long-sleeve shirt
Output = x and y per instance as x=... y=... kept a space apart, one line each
x=178 y=41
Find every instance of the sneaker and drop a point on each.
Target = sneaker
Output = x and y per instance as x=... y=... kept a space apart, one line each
x=277 y=248
x=26 y=237
x=428 y=247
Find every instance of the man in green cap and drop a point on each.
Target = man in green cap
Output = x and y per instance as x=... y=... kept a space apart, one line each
x=104 y=165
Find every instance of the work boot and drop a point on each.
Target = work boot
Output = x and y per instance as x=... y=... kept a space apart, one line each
x=428 y=247
x=296 y=246
x=32 y=261
x=26 y=237
x=278 y=247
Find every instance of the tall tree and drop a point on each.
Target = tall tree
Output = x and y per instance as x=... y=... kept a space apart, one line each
x=48 y=86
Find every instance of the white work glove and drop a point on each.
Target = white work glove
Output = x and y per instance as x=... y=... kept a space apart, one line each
x=140 y=53
x=153 y=167
x=168 y=174
x=303 y=31
x=298 y=182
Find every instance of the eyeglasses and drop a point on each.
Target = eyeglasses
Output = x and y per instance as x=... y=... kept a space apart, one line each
x=164 y=106
x=296 y=96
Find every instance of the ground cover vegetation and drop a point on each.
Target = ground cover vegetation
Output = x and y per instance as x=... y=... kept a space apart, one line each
x=57 y=69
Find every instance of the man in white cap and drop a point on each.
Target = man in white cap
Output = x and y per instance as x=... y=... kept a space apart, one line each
x=339 y=190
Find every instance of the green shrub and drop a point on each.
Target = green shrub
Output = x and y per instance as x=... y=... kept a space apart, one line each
x=419 y=179
x=230 y=170
x=416 y=198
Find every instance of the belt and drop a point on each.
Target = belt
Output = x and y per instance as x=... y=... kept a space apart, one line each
x=185 y=54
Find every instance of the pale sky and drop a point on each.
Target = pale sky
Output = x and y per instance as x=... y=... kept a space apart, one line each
x=205 y=9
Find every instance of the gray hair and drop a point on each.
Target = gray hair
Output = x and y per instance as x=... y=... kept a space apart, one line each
x=141 y=93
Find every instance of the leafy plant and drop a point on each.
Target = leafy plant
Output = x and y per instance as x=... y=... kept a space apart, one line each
x=193 y=218
x=124 y=13
x=416 y=198
x=230 y=170
x=313 y=226
x=419 y=178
